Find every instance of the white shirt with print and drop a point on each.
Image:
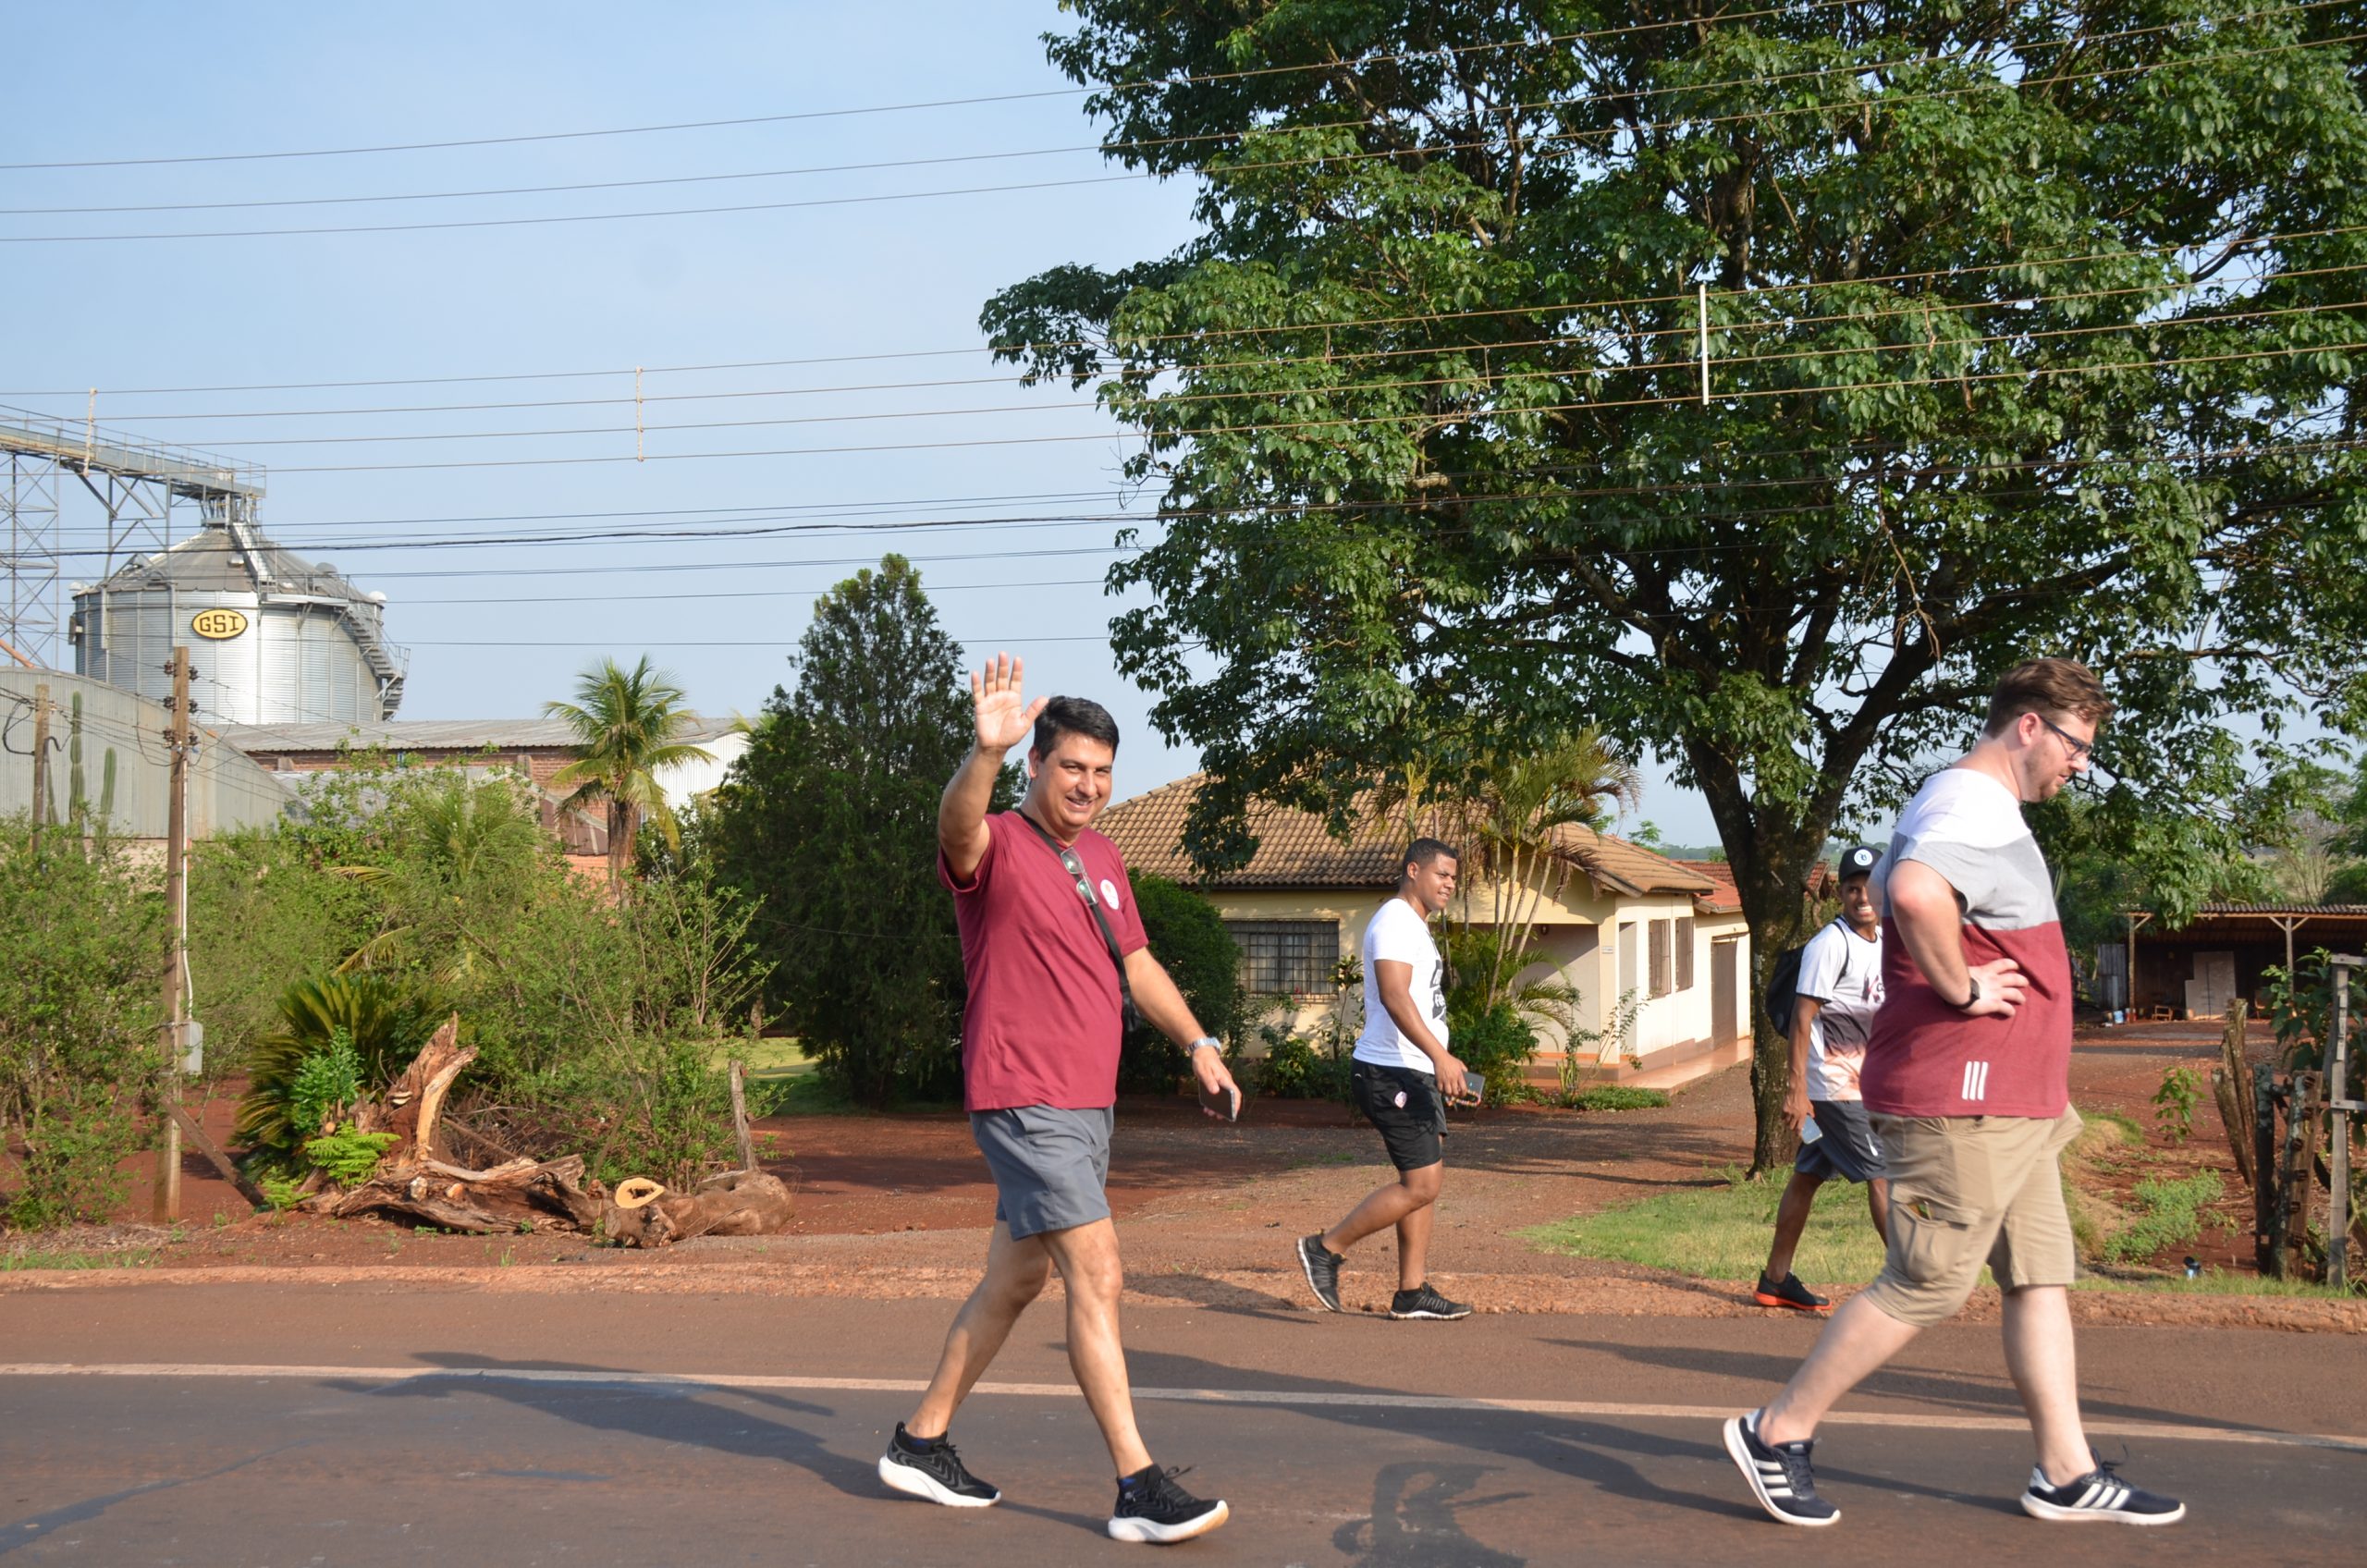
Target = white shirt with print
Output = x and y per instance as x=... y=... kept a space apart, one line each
x=1843 y=971
x=1399 y=935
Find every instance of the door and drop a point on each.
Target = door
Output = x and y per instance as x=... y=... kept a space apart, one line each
x=1726 y=989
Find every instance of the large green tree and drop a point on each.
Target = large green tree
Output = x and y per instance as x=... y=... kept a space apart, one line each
x=828 y=821
x=2029 y=330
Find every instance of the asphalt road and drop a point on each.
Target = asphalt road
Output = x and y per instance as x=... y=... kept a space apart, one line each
x=216 y=1424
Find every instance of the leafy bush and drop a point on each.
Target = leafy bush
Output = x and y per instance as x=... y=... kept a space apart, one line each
x=81 y=967
x=1189 y=938
x=1296 y=1069
x=1497 y=1044
x=347 y=1156
x=340 y=1035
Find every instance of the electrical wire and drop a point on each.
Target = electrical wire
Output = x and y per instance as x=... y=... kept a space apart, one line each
x=1214 y=171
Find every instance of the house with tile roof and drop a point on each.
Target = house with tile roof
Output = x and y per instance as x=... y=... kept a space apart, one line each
x=1614 y=920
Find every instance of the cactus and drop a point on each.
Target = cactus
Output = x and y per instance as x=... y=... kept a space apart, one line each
x=75 y=802
x=106 y=786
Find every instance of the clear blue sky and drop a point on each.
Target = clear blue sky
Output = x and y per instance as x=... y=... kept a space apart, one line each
x=864 y=277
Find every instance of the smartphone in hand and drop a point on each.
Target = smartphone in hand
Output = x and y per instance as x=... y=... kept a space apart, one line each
x=1475 y=1089
x=1223 y=1104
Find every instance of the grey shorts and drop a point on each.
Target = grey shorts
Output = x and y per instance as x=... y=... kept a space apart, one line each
x=1050 y=1165
x=1849 y=1149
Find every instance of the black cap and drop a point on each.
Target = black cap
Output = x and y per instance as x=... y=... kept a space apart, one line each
x=1856 y=860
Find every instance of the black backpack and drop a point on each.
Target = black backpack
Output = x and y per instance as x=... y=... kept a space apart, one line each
x=1784 y=987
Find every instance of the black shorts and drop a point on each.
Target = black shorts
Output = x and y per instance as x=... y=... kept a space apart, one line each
x=1407 y=1108
x=1847 y=1149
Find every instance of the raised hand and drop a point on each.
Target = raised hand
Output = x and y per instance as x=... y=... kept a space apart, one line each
x=1004 y=715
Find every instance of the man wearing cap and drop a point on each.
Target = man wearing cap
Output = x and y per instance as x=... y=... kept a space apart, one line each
x=1832 y=1010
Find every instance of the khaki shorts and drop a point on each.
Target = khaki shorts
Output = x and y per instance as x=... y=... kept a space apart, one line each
x=1968 y=1189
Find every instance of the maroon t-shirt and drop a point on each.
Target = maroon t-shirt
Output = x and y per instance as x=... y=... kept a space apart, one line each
x=1043 y=1022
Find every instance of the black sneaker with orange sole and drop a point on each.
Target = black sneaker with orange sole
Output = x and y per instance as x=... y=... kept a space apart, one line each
x=1789 y=1293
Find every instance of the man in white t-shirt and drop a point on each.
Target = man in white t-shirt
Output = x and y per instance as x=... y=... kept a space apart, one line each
x=1833 y=1012
x=1402 y=1077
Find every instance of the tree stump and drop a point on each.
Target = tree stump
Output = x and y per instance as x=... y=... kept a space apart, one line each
x=738 y=1202
x=411 y=1182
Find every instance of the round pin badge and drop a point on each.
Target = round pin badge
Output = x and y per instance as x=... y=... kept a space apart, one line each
x=1110 y=892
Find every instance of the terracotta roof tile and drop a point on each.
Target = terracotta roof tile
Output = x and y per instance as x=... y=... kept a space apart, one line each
x=1724 y=897
x=1294 y=849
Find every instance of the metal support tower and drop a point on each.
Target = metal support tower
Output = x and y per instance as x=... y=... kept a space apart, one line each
x=135 y=481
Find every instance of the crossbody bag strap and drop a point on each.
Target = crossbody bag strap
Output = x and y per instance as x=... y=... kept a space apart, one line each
x=1076 y=868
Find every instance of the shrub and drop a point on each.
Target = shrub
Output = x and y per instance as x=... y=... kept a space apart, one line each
x=2168 y=1214
x=340 y=1037
x=81 y=967
x=1496 y=1044
x=1619 y=1096
x=347 y=1156
x=1188 y=936
x=1294 y=1068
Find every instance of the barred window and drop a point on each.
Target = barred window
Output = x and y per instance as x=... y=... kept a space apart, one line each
x=1286 y=957
x=1685 y=954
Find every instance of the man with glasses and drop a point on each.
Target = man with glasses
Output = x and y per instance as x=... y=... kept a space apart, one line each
x=1966 y=1078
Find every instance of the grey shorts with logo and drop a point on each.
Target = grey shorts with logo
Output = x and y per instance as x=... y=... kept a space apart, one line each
x=1050 y=1166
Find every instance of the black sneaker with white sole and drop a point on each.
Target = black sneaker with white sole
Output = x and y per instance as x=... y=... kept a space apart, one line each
x=935 y=1472
x=1424 y=1302
x=2099 y=1494
x=1151 y=1507
x=1779 y=1474
x=1321 y=1266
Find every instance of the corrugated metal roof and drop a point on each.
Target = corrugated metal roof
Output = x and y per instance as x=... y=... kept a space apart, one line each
x=431 y=735
x=2345 y=911
x=1294 y=849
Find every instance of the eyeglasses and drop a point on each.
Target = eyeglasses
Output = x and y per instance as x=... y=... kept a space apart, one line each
x=2080 y=750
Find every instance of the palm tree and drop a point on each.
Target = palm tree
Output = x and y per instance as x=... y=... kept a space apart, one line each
x=627 y=725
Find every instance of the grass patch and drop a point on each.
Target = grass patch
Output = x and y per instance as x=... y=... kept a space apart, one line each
x=1619 y=1096
x=2168 y=1212
x=1723 y=1233
x=135 y=1257
x=2214 y=1282
x=762 y=1056
x=2130 y=1131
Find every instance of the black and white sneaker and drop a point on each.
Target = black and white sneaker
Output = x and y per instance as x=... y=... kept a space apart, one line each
x=2099 y=1494
x=1424 y=1302
x=935 y=1473
x=1778 y=1474
x=1321 y=1266
x=1151 y=1507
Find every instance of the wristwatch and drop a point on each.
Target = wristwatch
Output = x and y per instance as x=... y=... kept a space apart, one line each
x=1972 y=993
x=1207 y=1043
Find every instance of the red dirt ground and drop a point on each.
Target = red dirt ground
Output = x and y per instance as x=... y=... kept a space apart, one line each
x=896 y=1205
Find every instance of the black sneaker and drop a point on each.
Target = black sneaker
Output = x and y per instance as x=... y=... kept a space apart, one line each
x=1321 y=1266
x=1424 y=1302
x=1779 y=1475
x=2099 y=1494
x=935 y=1473
x=1791 y=1293
x=1156 y=1509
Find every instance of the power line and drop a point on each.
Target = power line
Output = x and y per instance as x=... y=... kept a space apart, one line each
x=1137 y=144
x=1210 y=170
x=1442 y=51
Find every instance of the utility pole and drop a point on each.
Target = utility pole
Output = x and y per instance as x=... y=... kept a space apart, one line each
x=178 y=745
x=2339 y=1110
x=40 y=763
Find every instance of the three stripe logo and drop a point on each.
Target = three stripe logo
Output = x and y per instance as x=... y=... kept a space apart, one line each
x=1976 y=1081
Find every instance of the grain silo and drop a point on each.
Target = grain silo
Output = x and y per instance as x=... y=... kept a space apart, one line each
x=272 y=638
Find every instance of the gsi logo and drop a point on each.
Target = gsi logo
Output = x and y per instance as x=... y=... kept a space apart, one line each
x=218 y=624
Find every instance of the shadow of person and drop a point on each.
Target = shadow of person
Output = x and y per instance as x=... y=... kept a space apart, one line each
x=1416 y=1526
x=689 y=1412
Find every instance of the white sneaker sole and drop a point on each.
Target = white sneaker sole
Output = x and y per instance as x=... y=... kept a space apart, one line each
x=1151 y=1532
x=1431 y=1317
x=920 y=1484
x=1307 y=1266
x=2039 y=1508
x=1740 y=1452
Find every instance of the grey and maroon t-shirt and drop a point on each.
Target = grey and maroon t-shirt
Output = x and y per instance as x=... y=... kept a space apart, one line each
x=1926 y=1058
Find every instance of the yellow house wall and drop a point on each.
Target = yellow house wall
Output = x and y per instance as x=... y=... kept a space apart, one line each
x=1578 y=928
